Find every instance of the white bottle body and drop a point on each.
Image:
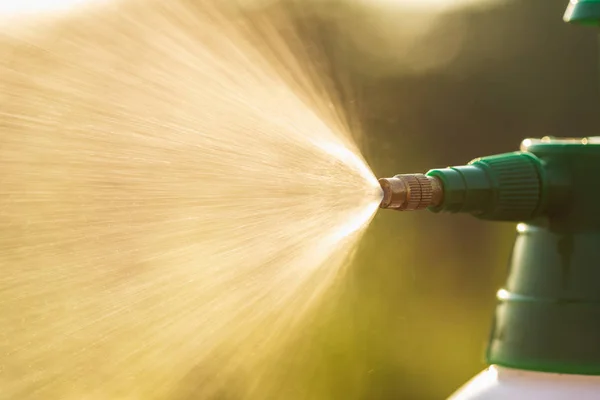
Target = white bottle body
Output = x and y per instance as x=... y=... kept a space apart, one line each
x=499 y=383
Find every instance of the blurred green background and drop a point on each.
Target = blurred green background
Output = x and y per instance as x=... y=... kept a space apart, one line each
x=428 y=89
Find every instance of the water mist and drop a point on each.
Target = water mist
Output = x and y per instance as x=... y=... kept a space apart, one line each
x=175 y=190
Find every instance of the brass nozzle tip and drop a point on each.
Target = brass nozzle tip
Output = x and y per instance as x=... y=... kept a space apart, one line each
x=394 y=192
x=410 y=192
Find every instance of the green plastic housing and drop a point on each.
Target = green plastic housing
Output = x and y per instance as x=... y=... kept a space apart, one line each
x=583 y=12
x=548 y=313
x=548 y=316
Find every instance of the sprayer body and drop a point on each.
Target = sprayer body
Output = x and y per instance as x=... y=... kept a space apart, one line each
x=548 y=313
x=545 y=339
x=547 y=320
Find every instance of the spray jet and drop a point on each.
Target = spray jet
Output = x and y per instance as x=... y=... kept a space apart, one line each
x=545 y=339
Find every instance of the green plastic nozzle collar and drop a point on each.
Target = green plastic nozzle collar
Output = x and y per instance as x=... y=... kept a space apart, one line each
x=506 y=187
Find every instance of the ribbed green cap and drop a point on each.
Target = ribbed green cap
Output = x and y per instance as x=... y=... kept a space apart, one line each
x=504 y=187
x=583 y=12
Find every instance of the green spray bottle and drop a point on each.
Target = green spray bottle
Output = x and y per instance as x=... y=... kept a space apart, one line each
x=545 y=338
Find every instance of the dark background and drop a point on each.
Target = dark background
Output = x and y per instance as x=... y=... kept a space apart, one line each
x=411 y=318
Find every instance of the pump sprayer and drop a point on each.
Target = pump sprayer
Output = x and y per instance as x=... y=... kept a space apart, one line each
x=548 y=315
x=548 y=318
x=545 y=339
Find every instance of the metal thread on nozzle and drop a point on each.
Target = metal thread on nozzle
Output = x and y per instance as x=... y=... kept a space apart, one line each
x=409 y=192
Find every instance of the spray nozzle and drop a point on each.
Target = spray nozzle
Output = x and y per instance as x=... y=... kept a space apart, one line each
x=506 y=187
x=409 y=192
